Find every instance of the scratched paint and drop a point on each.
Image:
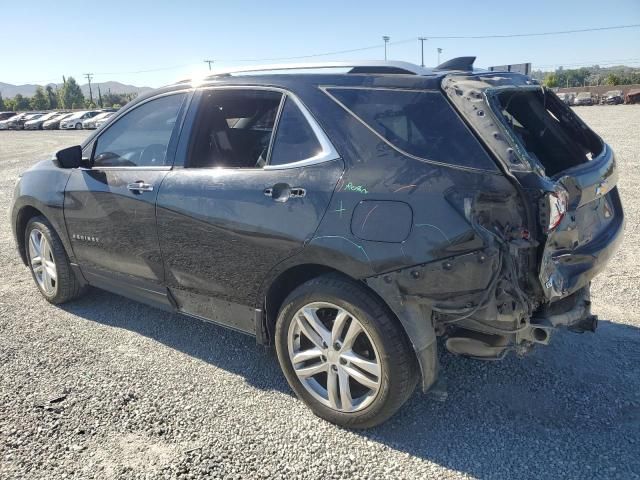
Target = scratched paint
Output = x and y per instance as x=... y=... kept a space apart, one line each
x=356 y=188
x=367 y=217
x=358 y=246
x=436 y=228
x=403 y=188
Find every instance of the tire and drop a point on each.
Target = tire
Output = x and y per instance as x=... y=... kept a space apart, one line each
x=381 y=341
x=78 y=126
x=66 y=286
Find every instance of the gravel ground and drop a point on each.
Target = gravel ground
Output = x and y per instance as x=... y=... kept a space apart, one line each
x=108 y=388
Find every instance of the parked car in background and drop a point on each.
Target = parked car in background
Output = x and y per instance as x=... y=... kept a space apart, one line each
x=74 y=122
x=4 y=124
x=91 y=123
x=6 y=115
x=583 y=98
x=572 y=97
x=17 y=121
x=613 y=97
x=348 y=219
x=565 y=97
x=104 y=120
x=54 y=122
x=37 y=123
x=632 y=96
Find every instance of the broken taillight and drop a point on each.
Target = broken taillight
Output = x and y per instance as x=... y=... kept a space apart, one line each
x=557 y=203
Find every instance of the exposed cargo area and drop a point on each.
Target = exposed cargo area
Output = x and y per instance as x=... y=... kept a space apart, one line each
x=552 y=135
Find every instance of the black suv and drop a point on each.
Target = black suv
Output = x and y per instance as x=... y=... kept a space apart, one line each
x=347 y=218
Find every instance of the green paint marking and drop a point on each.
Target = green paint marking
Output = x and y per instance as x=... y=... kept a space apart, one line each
x=340 y=210
x=356 y=188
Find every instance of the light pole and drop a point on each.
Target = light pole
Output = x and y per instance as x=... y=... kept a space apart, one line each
x=439 y=52
x=386 y=39
x=422 y=40
x=209 y=62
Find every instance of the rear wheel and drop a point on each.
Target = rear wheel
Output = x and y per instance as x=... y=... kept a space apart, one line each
x=49 y=264
x=343 y=353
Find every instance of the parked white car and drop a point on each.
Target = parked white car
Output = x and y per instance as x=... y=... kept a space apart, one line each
x=104 y=120
x=36 y=123
x=54 y=122
x=75 y=121
x=92 y=123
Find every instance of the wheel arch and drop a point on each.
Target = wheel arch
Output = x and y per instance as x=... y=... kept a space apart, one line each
x=23 y=216
x=417 y=329
x=291 y=278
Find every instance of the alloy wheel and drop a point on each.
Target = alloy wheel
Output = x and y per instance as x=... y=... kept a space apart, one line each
x=334 y=357
x=42 y=262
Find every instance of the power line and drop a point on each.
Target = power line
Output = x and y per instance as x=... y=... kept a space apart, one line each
x=538 y=34
x=373 y=47
x=439 y=37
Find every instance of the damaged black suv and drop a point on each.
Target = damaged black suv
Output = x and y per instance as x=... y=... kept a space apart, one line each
x=348 y=217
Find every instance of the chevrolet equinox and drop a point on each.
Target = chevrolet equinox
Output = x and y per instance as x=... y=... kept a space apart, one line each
x=347 y=215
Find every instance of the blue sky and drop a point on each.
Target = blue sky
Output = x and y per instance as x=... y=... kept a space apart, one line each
x=43 y=40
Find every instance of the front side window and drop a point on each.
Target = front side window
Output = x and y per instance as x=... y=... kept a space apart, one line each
x=420 y=123
x=141 y=137
x=233 y=128
x=295 y=139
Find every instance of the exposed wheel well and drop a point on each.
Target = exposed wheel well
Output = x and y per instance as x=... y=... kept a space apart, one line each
x=24 y=215
x=292 y=278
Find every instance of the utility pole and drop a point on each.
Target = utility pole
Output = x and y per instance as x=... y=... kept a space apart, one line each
x=422 y=40
x=209 y=62
x=439 y=52
x=89 y=77
x=386 y=39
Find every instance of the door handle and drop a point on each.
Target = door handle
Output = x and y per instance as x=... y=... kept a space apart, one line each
x=140 y=186
x=281 y=192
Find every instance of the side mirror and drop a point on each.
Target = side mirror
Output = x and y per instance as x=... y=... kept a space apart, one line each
x=69 y=157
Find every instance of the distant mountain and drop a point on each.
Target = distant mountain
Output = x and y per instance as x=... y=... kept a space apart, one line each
x=8 y=90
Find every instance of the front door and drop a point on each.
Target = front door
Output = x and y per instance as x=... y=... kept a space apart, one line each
x=246 y=200
x=110 y=208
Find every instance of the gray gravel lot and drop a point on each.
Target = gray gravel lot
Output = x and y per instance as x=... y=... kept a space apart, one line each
x=108 y=388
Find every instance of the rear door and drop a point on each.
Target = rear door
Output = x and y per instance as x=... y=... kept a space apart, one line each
x=246 y=199
x=110 y=208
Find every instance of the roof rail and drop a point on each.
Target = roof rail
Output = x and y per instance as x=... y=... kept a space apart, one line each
x=375 y=66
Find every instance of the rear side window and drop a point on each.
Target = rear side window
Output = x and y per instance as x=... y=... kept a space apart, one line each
x=422 y=124
x=233 y=128
x=295 y=140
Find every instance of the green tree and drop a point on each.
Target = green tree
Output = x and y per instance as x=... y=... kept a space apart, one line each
x=612 y=79
x=2 y=105
x=39 y=101
x=70 y=94
x=550 y=80
x=52 y=97
x=10 y=104
x=21 y=103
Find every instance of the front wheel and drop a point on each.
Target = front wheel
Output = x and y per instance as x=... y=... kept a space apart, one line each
x=49 y=264
x=343 y=352
x=78 y=126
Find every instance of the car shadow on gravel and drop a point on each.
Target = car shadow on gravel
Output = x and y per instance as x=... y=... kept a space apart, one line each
x=569 y=410
x=227 y=349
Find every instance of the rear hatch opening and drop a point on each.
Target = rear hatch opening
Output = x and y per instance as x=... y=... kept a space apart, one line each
x=579 y=211
x=552 y=135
